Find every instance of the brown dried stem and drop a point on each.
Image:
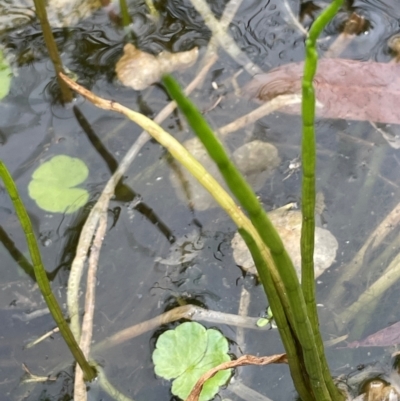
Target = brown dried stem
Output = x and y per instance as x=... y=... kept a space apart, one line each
x=242 y=361
x=189 y=312
x=80 y=393
x=101 y=205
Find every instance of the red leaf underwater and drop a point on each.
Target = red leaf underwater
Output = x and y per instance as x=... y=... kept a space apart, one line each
x=347 y=89
x=383 y=338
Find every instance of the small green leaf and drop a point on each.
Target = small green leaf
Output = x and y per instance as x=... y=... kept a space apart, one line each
x=5 y=76
x=187 y=352
x=180 y=349
x=52 y=184
x=269 y=313
x=262 y=322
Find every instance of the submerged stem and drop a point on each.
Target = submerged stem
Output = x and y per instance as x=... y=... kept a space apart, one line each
x=41 y=276
x=52 y=48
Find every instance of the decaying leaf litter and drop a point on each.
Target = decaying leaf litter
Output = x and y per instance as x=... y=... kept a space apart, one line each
x=117 y=180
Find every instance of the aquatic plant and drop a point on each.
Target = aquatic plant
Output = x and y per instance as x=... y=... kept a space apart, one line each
x=53 y=184
x=41 y=275
x=40 y=9
x=186 y=353
x=293 y=305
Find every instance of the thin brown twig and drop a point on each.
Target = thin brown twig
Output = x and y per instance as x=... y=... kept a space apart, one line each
x=267 y=108
x=31 y=378
x=80 y=393
x=243 y=310
x=225 y=20
x=189 y=312
x=41 y=338
x=293 y=20
x=224 y=39
x=242 y=361
x=101 y=205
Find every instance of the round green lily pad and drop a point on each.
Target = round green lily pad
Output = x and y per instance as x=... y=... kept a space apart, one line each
x=53 y=184
x=186 y=353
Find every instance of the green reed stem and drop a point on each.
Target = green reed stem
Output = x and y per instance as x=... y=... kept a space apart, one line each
x=51 y=45
x=240 y=188
x=41 y=276
x=277 y=305
x=308 y=185
x=126 y=18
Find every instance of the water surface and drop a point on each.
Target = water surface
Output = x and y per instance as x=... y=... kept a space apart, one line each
x=357 y=172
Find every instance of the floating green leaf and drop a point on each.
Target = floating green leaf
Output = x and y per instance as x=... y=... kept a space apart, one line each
x=186 y=353
x=5 y=76
x=53 y=184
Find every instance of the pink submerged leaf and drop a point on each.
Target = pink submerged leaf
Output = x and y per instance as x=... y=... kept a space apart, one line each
x=386 y=337
x=347 y=89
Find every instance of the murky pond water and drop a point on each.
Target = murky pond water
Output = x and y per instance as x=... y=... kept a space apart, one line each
x=140 y=275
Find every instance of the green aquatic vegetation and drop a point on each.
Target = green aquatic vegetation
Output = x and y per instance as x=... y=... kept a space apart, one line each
x=294 y=306
x=41 y=275
x=126 y=19
x=40 y=9
x=296 y=319
x=308 y=155
x=5 y=76
x=267 y=319
x=53 y=184
x=186 y=353
x=284 y=289
x=184 y=357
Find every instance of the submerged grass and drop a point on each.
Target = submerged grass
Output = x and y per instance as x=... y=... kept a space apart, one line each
x=41 y=276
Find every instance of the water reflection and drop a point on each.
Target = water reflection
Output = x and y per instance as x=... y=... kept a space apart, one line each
x=357 y=172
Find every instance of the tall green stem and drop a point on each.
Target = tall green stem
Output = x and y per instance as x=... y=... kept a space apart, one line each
x=126 y=18
x=237 y=184
x=278 y=307
x=52 y=48
x=308 y=186
x=41 y=276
